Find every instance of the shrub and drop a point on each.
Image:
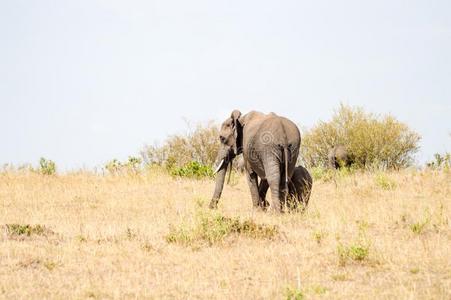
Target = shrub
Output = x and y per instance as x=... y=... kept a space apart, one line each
x=419 y=227
x=294 y=294
x=193 y=169
x=46 y=166
x=372 y=141
x=26 y=230
x=211 y=228
x=199 y=144
x=357 y=252
x=131 y=166
x=113 y=166
x=440 y=161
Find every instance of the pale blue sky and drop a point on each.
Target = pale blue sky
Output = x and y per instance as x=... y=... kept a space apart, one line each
x=82 y=82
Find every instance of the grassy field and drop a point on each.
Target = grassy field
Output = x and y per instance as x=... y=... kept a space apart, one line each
x=364 y=236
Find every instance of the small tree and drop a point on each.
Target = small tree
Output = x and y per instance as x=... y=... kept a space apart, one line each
x=47 y=166
x=130 y=166
x=199 y=144
x=371 y=140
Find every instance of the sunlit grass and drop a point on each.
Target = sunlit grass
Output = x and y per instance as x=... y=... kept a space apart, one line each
x=151 y=235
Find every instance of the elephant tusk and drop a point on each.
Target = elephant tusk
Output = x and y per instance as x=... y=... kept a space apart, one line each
x=219 y=166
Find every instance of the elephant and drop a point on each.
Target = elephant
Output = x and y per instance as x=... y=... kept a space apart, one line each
x=239 y=164
x=339 y=157
x=299 y=189
x=270 y=147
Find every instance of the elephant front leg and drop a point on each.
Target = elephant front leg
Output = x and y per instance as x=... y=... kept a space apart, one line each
x=252 y=181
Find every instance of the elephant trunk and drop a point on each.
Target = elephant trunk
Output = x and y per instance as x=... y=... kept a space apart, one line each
x=225 y=156
x=220 y=178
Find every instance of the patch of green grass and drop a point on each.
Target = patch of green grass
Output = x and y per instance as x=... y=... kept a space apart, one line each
x=319 y=289
x=321 y=173
x=362 y=225
x=294 y=294
x=355 y=252
x=50 y=265
x=130 y=234
x=212 y=228
x=339 y=277
x=81 y=238
x=319 y=236
x=384 y=182
x=418 y=227
x=26 y=229
x=415 y=270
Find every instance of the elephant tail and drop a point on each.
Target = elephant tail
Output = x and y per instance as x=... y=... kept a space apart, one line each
x=285 y=159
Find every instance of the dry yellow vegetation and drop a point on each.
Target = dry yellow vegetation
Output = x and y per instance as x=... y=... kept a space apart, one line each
x=364 y=236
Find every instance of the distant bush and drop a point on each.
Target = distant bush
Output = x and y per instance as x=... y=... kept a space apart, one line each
x=131 y=166
x=199 y=144
x=46 y=166
x=372 y=141
x=440 y=161
x=193 y=169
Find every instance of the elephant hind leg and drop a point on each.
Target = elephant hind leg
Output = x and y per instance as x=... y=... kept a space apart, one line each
x=278 y=194
x=262 y=190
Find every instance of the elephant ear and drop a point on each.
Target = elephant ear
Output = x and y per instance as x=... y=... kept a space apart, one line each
x=238 y=131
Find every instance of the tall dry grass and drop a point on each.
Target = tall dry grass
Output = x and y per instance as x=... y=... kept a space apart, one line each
x=364 y=236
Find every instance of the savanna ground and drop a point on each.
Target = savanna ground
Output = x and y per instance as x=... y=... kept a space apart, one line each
x=364 y=236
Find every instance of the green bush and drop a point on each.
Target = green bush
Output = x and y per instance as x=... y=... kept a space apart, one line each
x=356 y=252
x=292 y=293
x=372 y=141
x=442 y=162
x=131 y=166
x=193 y=169
x=199 y=144
x=46 y=166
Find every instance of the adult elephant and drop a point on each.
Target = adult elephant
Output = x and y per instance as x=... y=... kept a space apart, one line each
x=339 y=157
x=270 y=147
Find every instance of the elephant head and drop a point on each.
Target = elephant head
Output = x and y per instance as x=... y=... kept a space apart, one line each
x=231 y=140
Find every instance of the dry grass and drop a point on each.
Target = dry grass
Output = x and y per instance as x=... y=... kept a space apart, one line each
x=106 y=237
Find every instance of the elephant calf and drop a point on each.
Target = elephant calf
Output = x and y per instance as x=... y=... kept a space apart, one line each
x=299 y=189
x=339 y=157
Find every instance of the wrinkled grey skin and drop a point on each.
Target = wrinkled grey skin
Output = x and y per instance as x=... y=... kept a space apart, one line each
x=338 y=157
x=239 y=164
x=270 y=147
x=299 y=189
